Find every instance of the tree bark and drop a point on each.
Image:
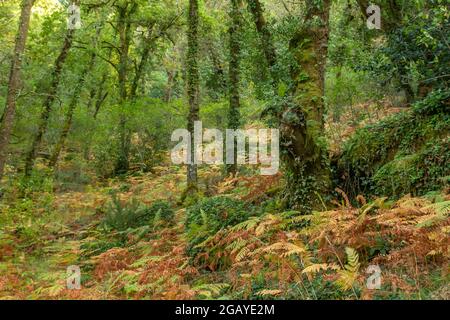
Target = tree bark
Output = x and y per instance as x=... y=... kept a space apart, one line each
x=170 y=80
x=124 y=29
x=7 y=121
x=267 y=45
x=144 y=58
x=302 y=125
x=192 y=88
x=51 y=94
x=73 y=103
x=234 y=76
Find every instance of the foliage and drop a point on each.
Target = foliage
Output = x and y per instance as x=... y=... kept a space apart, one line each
x=122 y=216
x=412 y=144
x=211 y=215
x=114 y=205
x=417 y=54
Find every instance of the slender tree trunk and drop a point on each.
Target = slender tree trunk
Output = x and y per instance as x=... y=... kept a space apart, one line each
x=99 y=98
x=125 y=134
x=234 y=76
x=123 y=27
x=192 y=88
x=73 y=103
x=51 y=94
x=144 y=59
x=7 y=121
x=220 y=83
x=267 y=45
x=170 y=79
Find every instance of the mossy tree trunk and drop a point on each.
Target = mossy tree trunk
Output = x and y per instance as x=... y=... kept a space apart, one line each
x=51 y=95
x=73 y=103
x=301 y=121
x=125 y=33
x=302 y=124
x=7 y=121
x=234 y=76
x=193 y=89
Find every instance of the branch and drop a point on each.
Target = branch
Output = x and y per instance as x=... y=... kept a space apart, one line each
x=109 y=61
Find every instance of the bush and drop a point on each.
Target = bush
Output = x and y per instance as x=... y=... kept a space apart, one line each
x=437 y=101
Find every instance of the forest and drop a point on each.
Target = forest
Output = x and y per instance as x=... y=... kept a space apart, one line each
x=224 y=150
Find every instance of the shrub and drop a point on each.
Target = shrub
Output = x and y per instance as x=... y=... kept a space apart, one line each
x=417 y=173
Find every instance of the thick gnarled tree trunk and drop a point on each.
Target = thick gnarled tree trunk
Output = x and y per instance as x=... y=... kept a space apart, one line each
x=7 y=121
x=302 y=124
x=301 y=121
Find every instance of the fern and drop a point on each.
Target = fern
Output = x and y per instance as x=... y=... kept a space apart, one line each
x=210 y=290
x=440 y=208
x=268 y=292
x=317 y=267
x=246 y=225
x=349 y=275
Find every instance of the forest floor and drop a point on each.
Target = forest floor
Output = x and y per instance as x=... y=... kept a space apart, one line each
x=332 y=254
x=51 y=231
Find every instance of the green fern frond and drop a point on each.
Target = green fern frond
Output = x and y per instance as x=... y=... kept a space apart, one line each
x=209 y=290
x=349 y=275
x=440 y=208
x=246 y=225
x=242 y=254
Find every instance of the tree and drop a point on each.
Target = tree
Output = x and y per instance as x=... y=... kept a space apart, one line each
x=192 y=88
x=234 y=75
x=301 y=117
x=7 y=122
x=124 y=25
x=50 y=98
x=73 y=103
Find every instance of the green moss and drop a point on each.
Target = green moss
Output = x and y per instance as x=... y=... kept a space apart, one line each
x=405 y=153
x=416 y=173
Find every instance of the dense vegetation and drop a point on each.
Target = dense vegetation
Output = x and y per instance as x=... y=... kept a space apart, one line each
x=88 y=109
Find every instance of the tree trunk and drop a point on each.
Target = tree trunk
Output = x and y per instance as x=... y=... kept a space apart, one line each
x=234 y=76
x=73 y=103
x=51 y=94
x=124 y=29
x=192 y=88
x=144 y=58
x=7 y=122
x=170 y=80
x=302 y=124
x=267 y=45
x=99 y=98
